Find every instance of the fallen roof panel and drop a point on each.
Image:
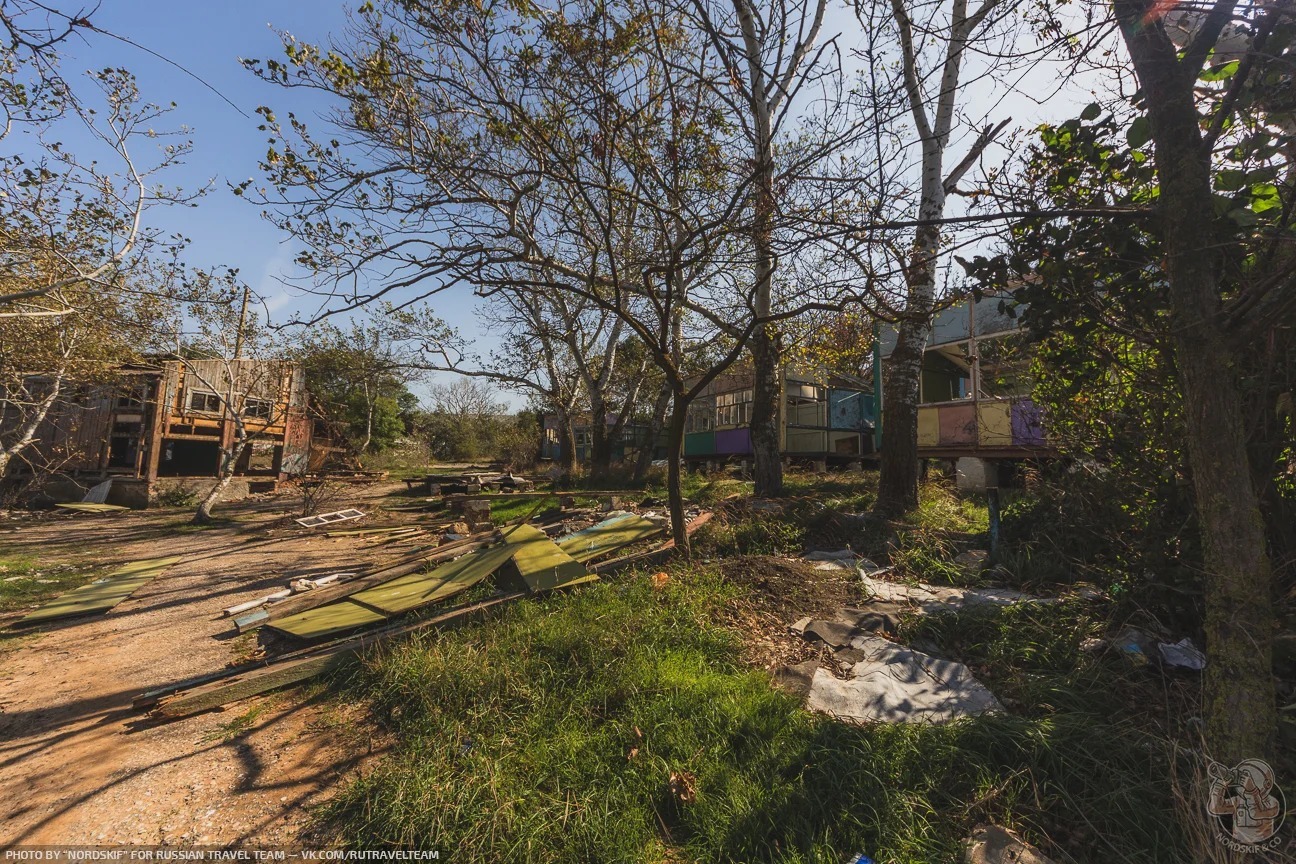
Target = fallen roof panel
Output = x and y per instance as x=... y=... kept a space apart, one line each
x=326 y=620
x=608 y=536
x=419 y=589
x=102 y=594
x=541 y=563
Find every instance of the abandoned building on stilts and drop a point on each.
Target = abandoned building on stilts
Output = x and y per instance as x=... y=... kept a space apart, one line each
x=976 y=418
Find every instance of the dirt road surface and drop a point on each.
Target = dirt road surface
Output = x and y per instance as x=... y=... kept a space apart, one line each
x=79 y=766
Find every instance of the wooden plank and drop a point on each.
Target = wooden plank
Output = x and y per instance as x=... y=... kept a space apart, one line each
x=93 y=508
x=333 y=618
x=420 y=589
x=364 y=532
x=102 y=594
x=608 y=536
x=249 y=681
x=539 y=561
x=566 y=493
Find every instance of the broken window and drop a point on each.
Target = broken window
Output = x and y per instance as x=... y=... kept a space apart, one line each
x=259 y=408
x=208 y=403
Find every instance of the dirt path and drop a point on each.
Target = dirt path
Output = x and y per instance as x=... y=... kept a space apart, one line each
x=78 y=765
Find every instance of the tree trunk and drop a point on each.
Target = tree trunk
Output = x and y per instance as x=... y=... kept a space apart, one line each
x=768 y=468
x=1241 y=718
x=203 y=516
x=600 y=458
x=899 y=464
x=655 y=425
x=566 y=447
x=674 y=467
x=27 y=435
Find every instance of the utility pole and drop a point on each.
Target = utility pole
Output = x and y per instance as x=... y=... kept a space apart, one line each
x=238 y=339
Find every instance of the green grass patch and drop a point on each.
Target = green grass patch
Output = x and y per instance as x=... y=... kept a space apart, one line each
x=553 y=732
x=849 y=492
x=25 y=582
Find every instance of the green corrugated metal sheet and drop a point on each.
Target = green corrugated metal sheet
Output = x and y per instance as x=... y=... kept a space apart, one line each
x=328 y=619
x=608 y=536
x=699 y=444
x=541 y=563
x=103 y=594
x=418 y=589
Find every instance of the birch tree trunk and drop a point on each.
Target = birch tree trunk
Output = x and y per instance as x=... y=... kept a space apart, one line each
x=898 y=477
x=229 y=458
x=27 y=433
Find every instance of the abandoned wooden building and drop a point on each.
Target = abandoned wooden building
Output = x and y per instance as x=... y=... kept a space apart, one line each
x=173 y=418
x=975 y=409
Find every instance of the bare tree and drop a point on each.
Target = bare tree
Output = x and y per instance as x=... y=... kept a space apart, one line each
x=231 y=356
x=583 y=151
x=933 y=44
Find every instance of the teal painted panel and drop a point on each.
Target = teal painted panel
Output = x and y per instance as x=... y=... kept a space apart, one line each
x=699 y=444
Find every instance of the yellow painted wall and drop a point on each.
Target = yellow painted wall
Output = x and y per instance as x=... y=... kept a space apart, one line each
x=994 y=424
x=928 y=427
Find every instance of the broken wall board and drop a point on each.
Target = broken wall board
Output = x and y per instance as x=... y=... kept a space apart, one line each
x=102 y=594
x=608 y=536
x=326 y=620
x=541 y=563
x=93 y=508
x=329 y=593
x=419 y=589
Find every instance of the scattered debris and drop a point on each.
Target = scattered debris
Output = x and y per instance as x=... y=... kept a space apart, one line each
x=238 y=608
x=990 y=844
x=1183 y=654
x=893 y=684
x=102 y=594
x=838 y=555
x=927 y=599
x=329 y=518
x=98 y=494
x=659 y=580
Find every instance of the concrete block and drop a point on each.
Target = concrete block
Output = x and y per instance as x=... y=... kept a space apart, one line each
x=973 y=474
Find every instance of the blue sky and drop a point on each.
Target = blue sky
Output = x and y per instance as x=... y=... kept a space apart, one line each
x=208 y=38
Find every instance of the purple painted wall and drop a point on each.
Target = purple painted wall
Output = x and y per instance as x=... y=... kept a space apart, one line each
x=1027 y=424
x=733 y=441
